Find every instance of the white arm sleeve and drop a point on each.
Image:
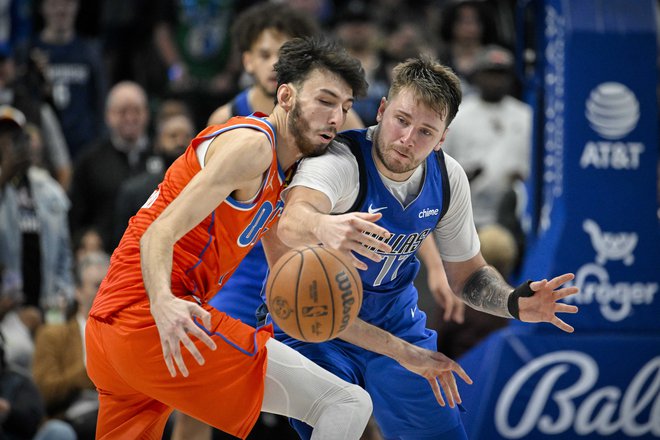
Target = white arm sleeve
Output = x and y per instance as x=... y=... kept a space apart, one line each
x=334 y=173
x=456 y=234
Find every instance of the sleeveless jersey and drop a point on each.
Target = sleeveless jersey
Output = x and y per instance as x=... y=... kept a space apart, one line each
x=409 y=225
x=206 y=256
x=240 y=296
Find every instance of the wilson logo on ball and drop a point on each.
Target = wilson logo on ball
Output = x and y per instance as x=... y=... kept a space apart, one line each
x=313 y=293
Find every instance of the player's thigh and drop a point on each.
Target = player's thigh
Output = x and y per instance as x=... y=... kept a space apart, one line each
x=295 y=385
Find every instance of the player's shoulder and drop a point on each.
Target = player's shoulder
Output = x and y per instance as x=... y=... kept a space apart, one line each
x=455 y=172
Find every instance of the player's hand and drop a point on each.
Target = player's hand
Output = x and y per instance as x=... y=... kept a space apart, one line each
x=357 y=233
x=543 y=306
x=174 y=320
x=453 y=306
x=438 y=370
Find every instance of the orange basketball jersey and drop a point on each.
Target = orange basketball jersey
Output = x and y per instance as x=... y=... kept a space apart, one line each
x=207 y=255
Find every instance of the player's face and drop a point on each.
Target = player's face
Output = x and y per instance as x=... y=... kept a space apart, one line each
x=408 y=131
x=319 y=110
x=261 y=58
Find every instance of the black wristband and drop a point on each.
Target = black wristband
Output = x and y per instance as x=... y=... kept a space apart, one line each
x=523 y=291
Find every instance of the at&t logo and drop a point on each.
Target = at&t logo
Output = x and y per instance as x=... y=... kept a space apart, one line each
x=612 y=110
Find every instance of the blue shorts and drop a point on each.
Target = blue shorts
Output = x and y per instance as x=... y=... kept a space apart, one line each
x=404 y=404
x=240 y=296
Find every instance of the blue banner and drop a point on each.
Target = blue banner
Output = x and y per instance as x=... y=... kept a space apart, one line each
x=542 y=386
x=598 y=209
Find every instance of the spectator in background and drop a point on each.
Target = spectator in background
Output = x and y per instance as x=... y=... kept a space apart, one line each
x=18 y=92
x=465 y=28
x=34 y=234
x=491 y=135
x=59 y=357
x=102 y=169
x=127 y=34
x=491 y=139
x=362 y=37
x=173 y=134
x=22 y=409
x=75 y=70
x=193 y=40
x=258 y=33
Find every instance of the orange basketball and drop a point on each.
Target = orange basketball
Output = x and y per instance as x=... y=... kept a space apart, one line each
x=313 y=293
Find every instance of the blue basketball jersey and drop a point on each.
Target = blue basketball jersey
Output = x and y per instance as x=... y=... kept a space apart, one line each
x=240 y=296
x=409 y=225
x=404 y=404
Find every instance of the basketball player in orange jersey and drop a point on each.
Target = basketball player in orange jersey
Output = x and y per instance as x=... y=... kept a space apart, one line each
x=215 y=202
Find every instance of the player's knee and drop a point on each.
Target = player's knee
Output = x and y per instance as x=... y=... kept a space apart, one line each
x=362 y=399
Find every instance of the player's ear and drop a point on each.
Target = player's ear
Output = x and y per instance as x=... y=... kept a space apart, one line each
x=285 y=96
x=442 y=139
x=381 y=109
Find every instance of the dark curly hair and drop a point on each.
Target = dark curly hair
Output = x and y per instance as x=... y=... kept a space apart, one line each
x=300 y=56
x=253 y=21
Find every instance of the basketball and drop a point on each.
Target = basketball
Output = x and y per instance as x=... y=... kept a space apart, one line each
x=313 y=293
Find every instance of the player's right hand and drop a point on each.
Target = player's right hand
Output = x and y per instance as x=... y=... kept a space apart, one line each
x=435 y=367
x=355 y=232
x=174 y=320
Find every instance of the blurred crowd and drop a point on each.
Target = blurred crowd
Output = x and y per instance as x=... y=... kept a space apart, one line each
x=97 y=99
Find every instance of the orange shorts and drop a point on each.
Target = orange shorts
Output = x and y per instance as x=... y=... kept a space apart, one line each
x=137 y=393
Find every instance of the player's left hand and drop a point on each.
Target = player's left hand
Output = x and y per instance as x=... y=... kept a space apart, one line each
x=453 y=306
x=543 y=306
x=438 y=370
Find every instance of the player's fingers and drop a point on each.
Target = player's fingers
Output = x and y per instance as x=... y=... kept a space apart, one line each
x=459 y=312
x=446 y=317
x=565 y=308
x=192 y=348
x=203 y=315
x=362 y=250
x=538 y=285
x=436 y=390
x=370 y=241
x=178 y=359
x=461 y=373
x=566 y=291
x=359 y=264
x=562 y=325
x=200 y=334
x=561 y=279
x=167 y=355
x=454 y=387
x=447 y=389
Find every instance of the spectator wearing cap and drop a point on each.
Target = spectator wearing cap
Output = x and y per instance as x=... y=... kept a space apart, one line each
x=74 y=68
x=34 y=234
x=491 y=138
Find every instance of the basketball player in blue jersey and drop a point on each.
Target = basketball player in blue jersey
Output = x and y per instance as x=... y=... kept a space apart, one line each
x=394 y=181
x=259 y=32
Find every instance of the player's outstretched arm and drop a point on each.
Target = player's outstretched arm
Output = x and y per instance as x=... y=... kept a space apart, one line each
x=435 y=367
x=306 y=219
x=484 y=289
x=245 y=155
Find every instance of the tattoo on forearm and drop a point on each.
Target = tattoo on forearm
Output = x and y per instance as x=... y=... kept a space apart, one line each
x=486 y=291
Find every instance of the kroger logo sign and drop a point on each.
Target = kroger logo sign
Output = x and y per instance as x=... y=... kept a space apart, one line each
x=612 y=110
x=616 y=300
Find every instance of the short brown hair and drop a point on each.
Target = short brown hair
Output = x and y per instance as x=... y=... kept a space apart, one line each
x=300 y=56
x=433 y=83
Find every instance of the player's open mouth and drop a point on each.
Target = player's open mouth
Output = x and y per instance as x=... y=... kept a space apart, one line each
x=327 y=137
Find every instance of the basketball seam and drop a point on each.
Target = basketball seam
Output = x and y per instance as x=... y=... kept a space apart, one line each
x=350 y=272
x=275 y=275
x=332 y=296
x=298 y=317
